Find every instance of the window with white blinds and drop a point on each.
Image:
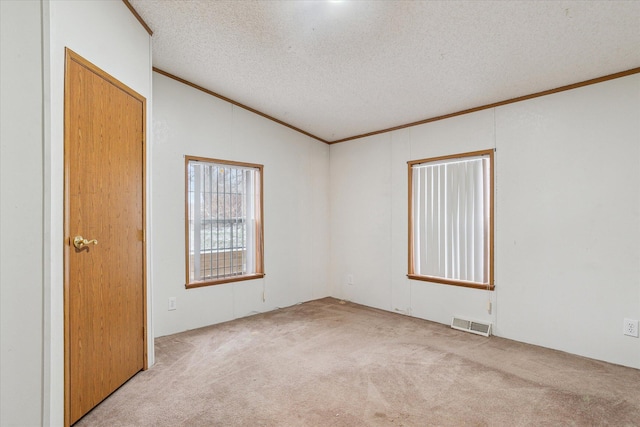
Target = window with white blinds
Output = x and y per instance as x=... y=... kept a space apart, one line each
x=450 y=219
x=223 y=221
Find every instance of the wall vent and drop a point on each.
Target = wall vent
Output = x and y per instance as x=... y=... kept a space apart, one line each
x=478 y=328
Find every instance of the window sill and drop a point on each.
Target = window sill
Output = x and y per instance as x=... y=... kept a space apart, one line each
x=224 y=280
x=483 y=286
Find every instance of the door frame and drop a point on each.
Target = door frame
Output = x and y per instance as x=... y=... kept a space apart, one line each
x=71 y=56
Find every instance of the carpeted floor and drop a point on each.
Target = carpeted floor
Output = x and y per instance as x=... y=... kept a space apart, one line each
x=327 y=363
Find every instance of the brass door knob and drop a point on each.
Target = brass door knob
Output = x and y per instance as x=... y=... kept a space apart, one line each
x=80 y=242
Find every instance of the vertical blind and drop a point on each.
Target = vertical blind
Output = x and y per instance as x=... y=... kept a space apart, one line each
x=451 y=219
x=222 y=220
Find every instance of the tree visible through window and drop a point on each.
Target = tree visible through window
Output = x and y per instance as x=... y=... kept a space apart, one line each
x=223 y=221
x=451 y=219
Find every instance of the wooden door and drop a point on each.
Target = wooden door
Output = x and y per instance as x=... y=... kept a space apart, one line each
x=104 y=201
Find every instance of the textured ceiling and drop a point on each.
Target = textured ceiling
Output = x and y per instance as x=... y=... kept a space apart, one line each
x=337 y=69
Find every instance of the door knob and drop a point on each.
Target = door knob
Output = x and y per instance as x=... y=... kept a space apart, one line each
x=80 y=242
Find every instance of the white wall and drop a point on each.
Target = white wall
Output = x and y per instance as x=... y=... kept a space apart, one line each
x=109 y=36
x=21 y=214
x=369 y=218
x=189 y=122
x=567 y=219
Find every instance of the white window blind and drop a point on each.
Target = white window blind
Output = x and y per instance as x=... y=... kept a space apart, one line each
x=451 y=207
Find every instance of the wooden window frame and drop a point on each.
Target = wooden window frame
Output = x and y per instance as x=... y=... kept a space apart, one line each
x=259 y=243
x=446 y=281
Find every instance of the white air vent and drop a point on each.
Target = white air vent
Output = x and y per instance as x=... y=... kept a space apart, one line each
x=478 y=328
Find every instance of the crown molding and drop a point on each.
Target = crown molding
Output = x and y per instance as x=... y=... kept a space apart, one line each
x=138 y=17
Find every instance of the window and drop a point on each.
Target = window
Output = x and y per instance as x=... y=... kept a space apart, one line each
x=223 y=221
x=451 y=219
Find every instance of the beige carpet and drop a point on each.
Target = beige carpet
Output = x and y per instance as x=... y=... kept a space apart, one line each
x=325 y=363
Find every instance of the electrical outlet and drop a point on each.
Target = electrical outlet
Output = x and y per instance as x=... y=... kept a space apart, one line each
x=349 y=279
x=631 y=327
x=172 y=303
